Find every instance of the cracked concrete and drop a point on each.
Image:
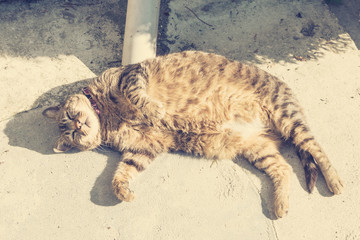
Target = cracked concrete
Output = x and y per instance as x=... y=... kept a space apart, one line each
x=50 y=49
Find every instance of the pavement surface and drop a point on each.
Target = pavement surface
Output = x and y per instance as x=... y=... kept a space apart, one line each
x=49 y=49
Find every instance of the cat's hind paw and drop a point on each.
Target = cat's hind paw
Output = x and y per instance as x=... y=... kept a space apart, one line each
x=334 y=182
x=122 y=191
x=336 y=186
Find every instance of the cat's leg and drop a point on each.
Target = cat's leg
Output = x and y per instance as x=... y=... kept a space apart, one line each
x=133 y=84
x=291 y=124
x=289 y=120
x=129 y=167
x=263 y=152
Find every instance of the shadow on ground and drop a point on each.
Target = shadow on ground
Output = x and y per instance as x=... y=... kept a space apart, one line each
x=348 y=14
x=102 y=193
x=36 y=132
x=91 y=30
x=253 y=32
x=33 y=131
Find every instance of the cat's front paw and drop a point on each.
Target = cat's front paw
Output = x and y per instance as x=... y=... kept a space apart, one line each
x=281 y=207
x=122 y=191
x=281 y=210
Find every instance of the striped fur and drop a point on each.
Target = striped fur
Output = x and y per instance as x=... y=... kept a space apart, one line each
x=199 y=103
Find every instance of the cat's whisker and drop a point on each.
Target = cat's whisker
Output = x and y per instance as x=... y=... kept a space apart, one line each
x=85 y=131
x=103 y=149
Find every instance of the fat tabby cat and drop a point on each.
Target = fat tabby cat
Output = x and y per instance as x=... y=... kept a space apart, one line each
x=198 y=103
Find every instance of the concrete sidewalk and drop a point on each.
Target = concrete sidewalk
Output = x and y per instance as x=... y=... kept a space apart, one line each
x=49 y=50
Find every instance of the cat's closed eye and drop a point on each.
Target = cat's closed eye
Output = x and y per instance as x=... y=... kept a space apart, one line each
x=73 y=135
x=69 y=117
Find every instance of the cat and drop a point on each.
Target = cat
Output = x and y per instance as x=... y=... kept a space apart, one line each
x=194 y=102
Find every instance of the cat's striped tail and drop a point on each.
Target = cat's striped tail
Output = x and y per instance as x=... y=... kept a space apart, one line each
x=288 y=119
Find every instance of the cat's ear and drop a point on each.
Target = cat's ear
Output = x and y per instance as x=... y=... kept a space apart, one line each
x=61 y=146
x=51 y=112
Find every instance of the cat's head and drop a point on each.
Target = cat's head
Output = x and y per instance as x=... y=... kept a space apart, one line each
x=78 y=122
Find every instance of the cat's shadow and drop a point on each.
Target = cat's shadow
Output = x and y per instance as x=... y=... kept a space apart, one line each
x=102 y=193
x=33 y=131
x=30 y=129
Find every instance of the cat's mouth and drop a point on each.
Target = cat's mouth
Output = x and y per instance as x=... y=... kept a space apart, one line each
x=82 y=127
x=86 y=125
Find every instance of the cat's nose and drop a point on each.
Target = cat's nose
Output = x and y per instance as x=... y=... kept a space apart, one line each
x=78 y=125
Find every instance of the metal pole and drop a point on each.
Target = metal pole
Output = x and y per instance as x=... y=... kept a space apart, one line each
x=141 y=29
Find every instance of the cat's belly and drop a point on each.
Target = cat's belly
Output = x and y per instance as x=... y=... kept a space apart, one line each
x=226 y=141
x=245 y=129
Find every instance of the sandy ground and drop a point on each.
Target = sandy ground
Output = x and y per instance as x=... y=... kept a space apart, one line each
x=49 y=50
